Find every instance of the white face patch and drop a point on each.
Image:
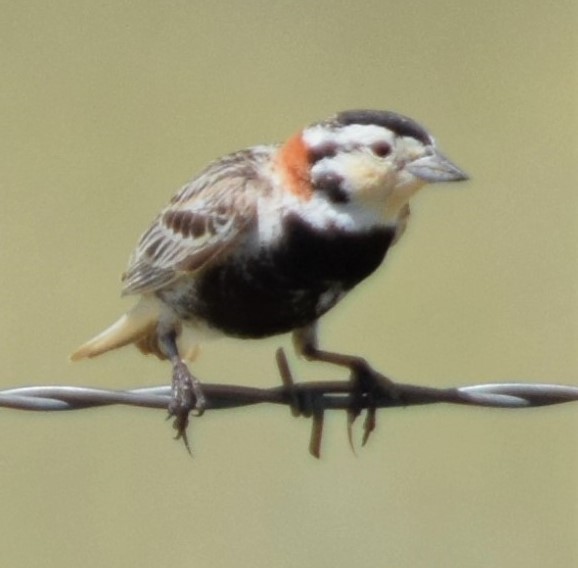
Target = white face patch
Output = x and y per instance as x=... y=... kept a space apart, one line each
x=356 y=184
x=322 y=214
x=316 y=211
x=348 y=137
x=353 y=154
x=349 y=161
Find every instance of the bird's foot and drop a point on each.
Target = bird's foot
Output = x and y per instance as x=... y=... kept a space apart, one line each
x=368 y=387
x=186 y=396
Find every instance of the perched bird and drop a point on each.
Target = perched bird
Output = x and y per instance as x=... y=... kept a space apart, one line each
x=266 y=240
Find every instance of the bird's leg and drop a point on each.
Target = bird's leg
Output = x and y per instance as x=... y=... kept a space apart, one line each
x=186 y=391
x=367 y=382
x=301 y=407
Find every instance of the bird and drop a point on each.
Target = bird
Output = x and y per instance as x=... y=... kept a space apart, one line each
x=266 y=240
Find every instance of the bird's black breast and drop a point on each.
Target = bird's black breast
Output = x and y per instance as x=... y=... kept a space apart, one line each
x=288 y=285
x=312 y=256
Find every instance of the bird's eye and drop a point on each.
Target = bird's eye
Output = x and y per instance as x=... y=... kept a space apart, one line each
x=381 y=149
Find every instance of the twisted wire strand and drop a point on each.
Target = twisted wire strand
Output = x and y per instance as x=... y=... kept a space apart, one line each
x=327 y=395
x=309 y=399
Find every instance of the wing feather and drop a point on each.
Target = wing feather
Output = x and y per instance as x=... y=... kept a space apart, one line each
x=206 y=218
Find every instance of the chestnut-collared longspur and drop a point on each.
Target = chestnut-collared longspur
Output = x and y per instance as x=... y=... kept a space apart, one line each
x=266 y=240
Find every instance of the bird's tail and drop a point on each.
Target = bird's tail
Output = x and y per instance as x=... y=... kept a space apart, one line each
x=136 y=325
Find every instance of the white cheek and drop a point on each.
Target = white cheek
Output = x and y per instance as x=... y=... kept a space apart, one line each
x=364 y=176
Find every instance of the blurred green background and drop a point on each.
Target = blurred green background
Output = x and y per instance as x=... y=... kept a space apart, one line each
x=106 y=108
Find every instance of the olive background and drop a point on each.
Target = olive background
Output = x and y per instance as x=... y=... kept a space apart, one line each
x=107 y=108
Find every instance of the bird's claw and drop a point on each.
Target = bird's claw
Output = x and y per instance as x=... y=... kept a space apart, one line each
x=368 y=386
x=186 y=396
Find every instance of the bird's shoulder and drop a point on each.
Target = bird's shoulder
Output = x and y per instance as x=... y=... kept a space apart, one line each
x=203 y=220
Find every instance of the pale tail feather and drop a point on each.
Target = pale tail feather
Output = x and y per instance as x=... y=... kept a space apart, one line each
x=132 y=326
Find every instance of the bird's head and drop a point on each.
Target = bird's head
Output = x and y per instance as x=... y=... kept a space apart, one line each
x=365 y=157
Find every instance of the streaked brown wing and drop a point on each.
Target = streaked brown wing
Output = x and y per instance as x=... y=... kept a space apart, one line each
x=205 y=219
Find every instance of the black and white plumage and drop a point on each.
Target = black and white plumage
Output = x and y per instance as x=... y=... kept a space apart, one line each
x=266 y=240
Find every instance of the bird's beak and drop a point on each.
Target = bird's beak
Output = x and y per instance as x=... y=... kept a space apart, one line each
x=435 y=168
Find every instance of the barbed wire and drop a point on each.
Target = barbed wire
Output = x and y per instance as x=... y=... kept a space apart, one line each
x=310 y=399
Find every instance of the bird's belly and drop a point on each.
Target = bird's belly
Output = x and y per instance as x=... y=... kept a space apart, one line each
x=283 y=288
x=244 y=307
